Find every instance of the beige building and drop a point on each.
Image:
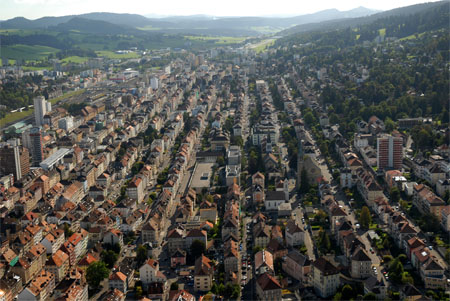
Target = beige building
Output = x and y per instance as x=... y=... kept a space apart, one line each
x=203 y=274
x=360 y=264
x=326 y=278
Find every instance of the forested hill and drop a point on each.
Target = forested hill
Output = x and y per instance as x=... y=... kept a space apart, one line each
x=417 y=10
x=432 y=17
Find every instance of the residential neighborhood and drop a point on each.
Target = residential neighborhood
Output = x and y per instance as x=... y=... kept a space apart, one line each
x=226 y=175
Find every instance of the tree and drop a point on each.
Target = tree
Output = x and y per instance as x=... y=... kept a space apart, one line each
x=141 y=255
x=370 y=297
x=95 y=273
x=365 y=219
x=347 y=292
x=309 y=118
x=109 y=258
x=197 y=248
x=139 y=291
x=396 y=271
x=67 y=231
x=389 y=124
x=174 y=286
x=407 y=278
x=228 y=291
x=236 y=291
x=395 y=194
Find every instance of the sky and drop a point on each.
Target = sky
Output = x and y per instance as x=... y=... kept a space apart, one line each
x=33 y=9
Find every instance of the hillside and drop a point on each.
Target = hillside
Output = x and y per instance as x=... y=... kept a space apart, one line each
x=398 y=23
x=196 y=24
x=353 y=22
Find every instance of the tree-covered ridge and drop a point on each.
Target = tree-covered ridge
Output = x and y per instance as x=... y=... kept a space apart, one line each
x=399 y=26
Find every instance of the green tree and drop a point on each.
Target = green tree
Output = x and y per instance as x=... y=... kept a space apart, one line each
x=174 y=286
x=95 y=273
x=139 y=291
x=407 y=278
x=389 y=124
x=309 y=118
x=347 y=292
x=141 y=255
x=109 y=258
x=197 y=248
x=396 y=271
x=370 y=297
x=395 y=194
x=228 y=291
x=365 y=219
x=236 y=291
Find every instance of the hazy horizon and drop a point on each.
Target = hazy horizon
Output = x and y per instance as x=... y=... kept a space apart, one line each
x=34 y=9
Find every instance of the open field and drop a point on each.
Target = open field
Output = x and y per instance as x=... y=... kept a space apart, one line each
x=217 y=40
x=74 y=59
x=261 y=46
x=12 y=117
x=113 y=55
x=35 y=68
x=26 y=52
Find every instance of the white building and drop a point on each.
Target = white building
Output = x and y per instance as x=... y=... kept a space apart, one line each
x=40 y=109
x=154 y=83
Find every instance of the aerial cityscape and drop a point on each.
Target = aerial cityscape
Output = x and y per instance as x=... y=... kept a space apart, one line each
x=198 y=157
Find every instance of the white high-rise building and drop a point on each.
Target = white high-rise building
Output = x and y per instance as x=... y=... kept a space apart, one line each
x=66 y=123
x=154 y=83
x=40 y=109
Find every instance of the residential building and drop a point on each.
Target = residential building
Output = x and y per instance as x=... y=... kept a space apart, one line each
x=268 y=288
x=389 y=152
x=361 y=264
x=149 y=272
x=118 y=280
x=14 y=159
x=326 y=278
x=297 y=265
x=295 y=236
x=203 y=274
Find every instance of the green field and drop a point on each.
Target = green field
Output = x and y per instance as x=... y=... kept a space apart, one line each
x=34 y=68
x=266 y=29
x=263 y=45
x=382 y=31
x=148 y=27
x=10 y=62
x=113 y=55
x=217 y=40
x=75 y=59
x=13 y=117
x=26 y=52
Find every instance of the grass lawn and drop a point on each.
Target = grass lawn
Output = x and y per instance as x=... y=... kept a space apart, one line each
x=75 y=59
x=263 y=45
x=382 y=31
x=26 y=52
x=33 y=68
x=12 y=117
x=217 y=40
x=113 y=55
x=148 y=27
